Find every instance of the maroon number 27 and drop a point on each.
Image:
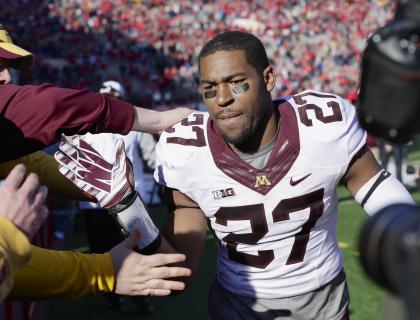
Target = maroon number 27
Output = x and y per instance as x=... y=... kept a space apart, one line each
x=256 y=215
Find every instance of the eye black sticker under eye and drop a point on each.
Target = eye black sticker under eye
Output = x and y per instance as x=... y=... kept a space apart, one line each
x=210 y=94
x=244 y=87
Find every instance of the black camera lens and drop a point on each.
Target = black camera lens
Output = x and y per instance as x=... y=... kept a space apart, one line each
x=389 y=245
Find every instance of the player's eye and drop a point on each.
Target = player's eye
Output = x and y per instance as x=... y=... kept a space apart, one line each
x=210 y=93
x=237 y=82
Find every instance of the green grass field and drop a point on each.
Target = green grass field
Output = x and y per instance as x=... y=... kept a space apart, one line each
x=366 y=297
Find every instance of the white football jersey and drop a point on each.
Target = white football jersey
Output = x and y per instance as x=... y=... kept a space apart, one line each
x=276 y=226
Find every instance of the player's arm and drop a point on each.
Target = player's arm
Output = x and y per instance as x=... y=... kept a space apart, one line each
x=371 y=186
x=185 y=230
x=46 y=168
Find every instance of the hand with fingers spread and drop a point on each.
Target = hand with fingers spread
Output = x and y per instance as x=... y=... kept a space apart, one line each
x=22 y=201
x=138 y=274
x=110 y=185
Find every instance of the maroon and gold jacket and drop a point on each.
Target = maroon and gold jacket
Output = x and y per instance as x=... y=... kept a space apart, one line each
x=33 y=117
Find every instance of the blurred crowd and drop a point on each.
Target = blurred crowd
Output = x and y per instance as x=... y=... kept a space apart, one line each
x=151 y=45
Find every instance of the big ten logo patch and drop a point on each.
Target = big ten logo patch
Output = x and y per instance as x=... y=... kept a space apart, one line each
x=219 y=194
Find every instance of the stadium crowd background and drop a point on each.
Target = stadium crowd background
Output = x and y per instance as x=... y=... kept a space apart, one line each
x=151 y=46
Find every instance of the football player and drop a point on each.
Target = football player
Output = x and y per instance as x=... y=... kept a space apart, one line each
x=264 y=173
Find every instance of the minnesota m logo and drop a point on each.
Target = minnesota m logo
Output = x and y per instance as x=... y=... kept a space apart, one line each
x=261 y=181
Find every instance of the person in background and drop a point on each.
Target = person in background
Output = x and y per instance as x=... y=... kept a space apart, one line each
x=398 y=151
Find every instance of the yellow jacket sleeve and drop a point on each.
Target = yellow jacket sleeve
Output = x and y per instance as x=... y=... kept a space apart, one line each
x=15 y=250
x=63 y=274
x=46 y=167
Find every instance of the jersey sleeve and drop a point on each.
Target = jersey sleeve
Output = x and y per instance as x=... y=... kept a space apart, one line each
x=163 y=174
x=330 y=132
x=178 y=150
x=15 y=250
x=355 y=135
x=63 y=274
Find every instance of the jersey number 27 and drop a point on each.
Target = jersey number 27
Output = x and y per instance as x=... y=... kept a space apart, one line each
x=256 y=215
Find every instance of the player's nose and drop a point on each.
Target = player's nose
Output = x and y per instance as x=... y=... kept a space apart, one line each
x=224 y=95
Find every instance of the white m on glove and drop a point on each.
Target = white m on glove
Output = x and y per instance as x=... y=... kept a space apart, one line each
x=110 y=186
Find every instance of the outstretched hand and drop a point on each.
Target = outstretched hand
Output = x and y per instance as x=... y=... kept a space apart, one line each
x=142 y=275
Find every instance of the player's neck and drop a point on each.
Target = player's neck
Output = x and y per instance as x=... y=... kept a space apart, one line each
x=262 y=137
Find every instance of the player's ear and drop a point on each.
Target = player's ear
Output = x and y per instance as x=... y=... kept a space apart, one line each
x=269 y=77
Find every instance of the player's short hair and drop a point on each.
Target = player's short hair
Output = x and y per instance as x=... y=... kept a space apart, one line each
x=255 y=53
